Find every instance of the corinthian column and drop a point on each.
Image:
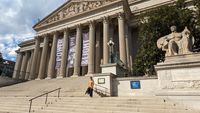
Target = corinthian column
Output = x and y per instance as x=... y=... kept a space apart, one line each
x=91 y=48
x=77 y=59
x=127 y=45
x=17 y=65
x=35 y=56
x=52 y=60
x=122 y=43
x=43 y=61
x=105 y=39
x=64 y=54
x=29 y=65
x=24 y=66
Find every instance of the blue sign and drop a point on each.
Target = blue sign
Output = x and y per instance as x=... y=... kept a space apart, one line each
x=135 y=84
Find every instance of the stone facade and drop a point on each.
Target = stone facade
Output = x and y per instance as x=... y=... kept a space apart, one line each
x=179 y=72
x=60 y=35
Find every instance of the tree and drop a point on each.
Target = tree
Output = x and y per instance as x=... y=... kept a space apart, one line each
x=197 y=18
x=1 y=58
x=156 y=23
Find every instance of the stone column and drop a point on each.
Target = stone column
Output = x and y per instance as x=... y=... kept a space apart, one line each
x=105 y=39
x=127 y=46
x=24 y=66
x=64 y=54
x=43 y=61
x=17 y=65
x=29 y=65
x=52 y=61
x=91 y=48
x=35 y=56
x=38 y=63
x=77 y=59
x=122 y=43
x=98 y=50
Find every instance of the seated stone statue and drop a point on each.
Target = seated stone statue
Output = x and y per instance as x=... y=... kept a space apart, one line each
x=176 y=43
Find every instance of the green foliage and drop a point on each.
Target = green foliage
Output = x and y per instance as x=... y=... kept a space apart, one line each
x=155 y=24
x=1 y=58
x=197 y=18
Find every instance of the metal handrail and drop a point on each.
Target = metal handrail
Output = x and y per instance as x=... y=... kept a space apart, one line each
x=101 y=86
x=31 y=100
x=104 y=91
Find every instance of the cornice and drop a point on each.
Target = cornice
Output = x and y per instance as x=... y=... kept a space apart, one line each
x=26 y=43
x=136 y=11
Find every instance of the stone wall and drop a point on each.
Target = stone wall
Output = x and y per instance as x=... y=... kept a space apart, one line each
x=122 y=87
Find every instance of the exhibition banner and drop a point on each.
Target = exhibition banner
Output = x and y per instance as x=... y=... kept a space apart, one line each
x=71 y=53
x=59 y=52
x=85 y=48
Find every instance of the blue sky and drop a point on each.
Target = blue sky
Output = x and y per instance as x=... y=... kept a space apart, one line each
x=17 y=19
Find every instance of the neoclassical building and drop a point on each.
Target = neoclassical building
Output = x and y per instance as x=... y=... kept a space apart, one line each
x=73 y=40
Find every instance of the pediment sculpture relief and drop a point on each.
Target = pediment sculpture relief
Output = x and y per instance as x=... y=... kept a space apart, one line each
x=176 y=43
x=73 y=8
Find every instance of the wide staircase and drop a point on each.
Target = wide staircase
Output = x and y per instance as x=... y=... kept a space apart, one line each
x=72 y=99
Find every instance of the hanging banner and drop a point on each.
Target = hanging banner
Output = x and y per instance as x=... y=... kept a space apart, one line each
x=59 y=52
x=71 y=53
x=85 y=48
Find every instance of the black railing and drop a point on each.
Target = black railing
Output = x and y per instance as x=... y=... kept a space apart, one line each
x=46 y=99
x=103 y=90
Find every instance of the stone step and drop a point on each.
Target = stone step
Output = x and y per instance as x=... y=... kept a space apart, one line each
x=117 y=109
x=64 y=104
x=112 y=100
x=15 y=99
x=113 y=107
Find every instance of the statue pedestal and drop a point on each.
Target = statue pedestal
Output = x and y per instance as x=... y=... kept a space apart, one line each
x=114 y=68
x=179 y=75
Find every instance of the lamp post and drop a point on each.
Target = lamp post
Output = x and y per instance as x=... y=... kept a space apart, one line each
x=111 y=44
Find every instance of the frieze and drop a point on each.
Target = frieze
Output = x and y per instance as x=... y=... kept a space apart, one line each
x=74 y=8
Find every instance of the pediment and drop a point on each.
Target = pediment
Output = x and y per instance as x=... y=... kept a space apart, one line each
x=72 y=8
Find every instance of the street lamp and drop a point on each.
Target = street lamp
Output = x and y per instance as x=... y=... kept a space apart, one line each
x=111 y=44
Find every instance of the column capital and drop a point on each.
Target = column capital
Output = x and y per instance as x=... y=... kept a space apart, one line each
x=54 y=32
x=91 y=23
x=65 y=29
x=37 y=37
x=105 y=19
x=78 y=26
x=121 y=15
x=46 y=34
x=18 y=51
x=46 y=37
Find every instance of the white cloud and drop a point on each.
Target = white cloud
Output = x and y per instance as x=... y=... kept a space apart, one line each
x=17 y=19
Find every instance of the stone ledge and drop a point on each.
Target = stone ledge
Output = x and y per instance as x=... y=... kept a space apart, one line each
x=178 y=93
x=136 y=78
x=180 y=61
x=103 y=74
x=185 y=58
